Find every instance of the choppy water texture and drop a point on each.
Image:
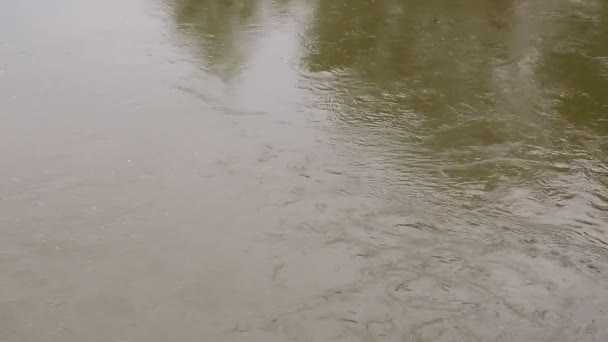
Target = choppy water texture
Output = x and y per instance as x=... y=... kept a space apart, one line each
x=292 y=170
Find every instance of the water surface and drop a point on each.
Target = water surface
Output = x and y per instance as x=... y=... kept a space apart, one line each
x=292 y=170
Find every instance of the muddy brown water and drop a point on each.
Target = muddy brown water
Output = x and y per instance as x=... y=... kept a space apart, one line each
x=291 y=170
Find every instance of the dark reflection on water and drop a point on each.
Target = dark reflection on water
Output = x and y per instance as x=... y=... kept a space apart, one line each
x=329 y=170
x=496 y=95
x=221 y=28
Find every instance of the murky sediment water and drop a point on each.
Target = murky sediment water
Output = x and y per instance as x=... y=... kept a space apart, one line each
x=291 y=170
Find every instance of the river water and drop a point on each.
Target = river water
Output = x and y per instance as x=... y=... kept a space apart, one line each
x=293 y=170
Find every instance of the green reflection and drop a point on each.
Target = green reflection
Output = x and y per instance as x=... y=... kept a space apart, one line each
x=458 y=75
x=219 y=30
x=478 y=58
x=433 y=56
x=577 y=67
